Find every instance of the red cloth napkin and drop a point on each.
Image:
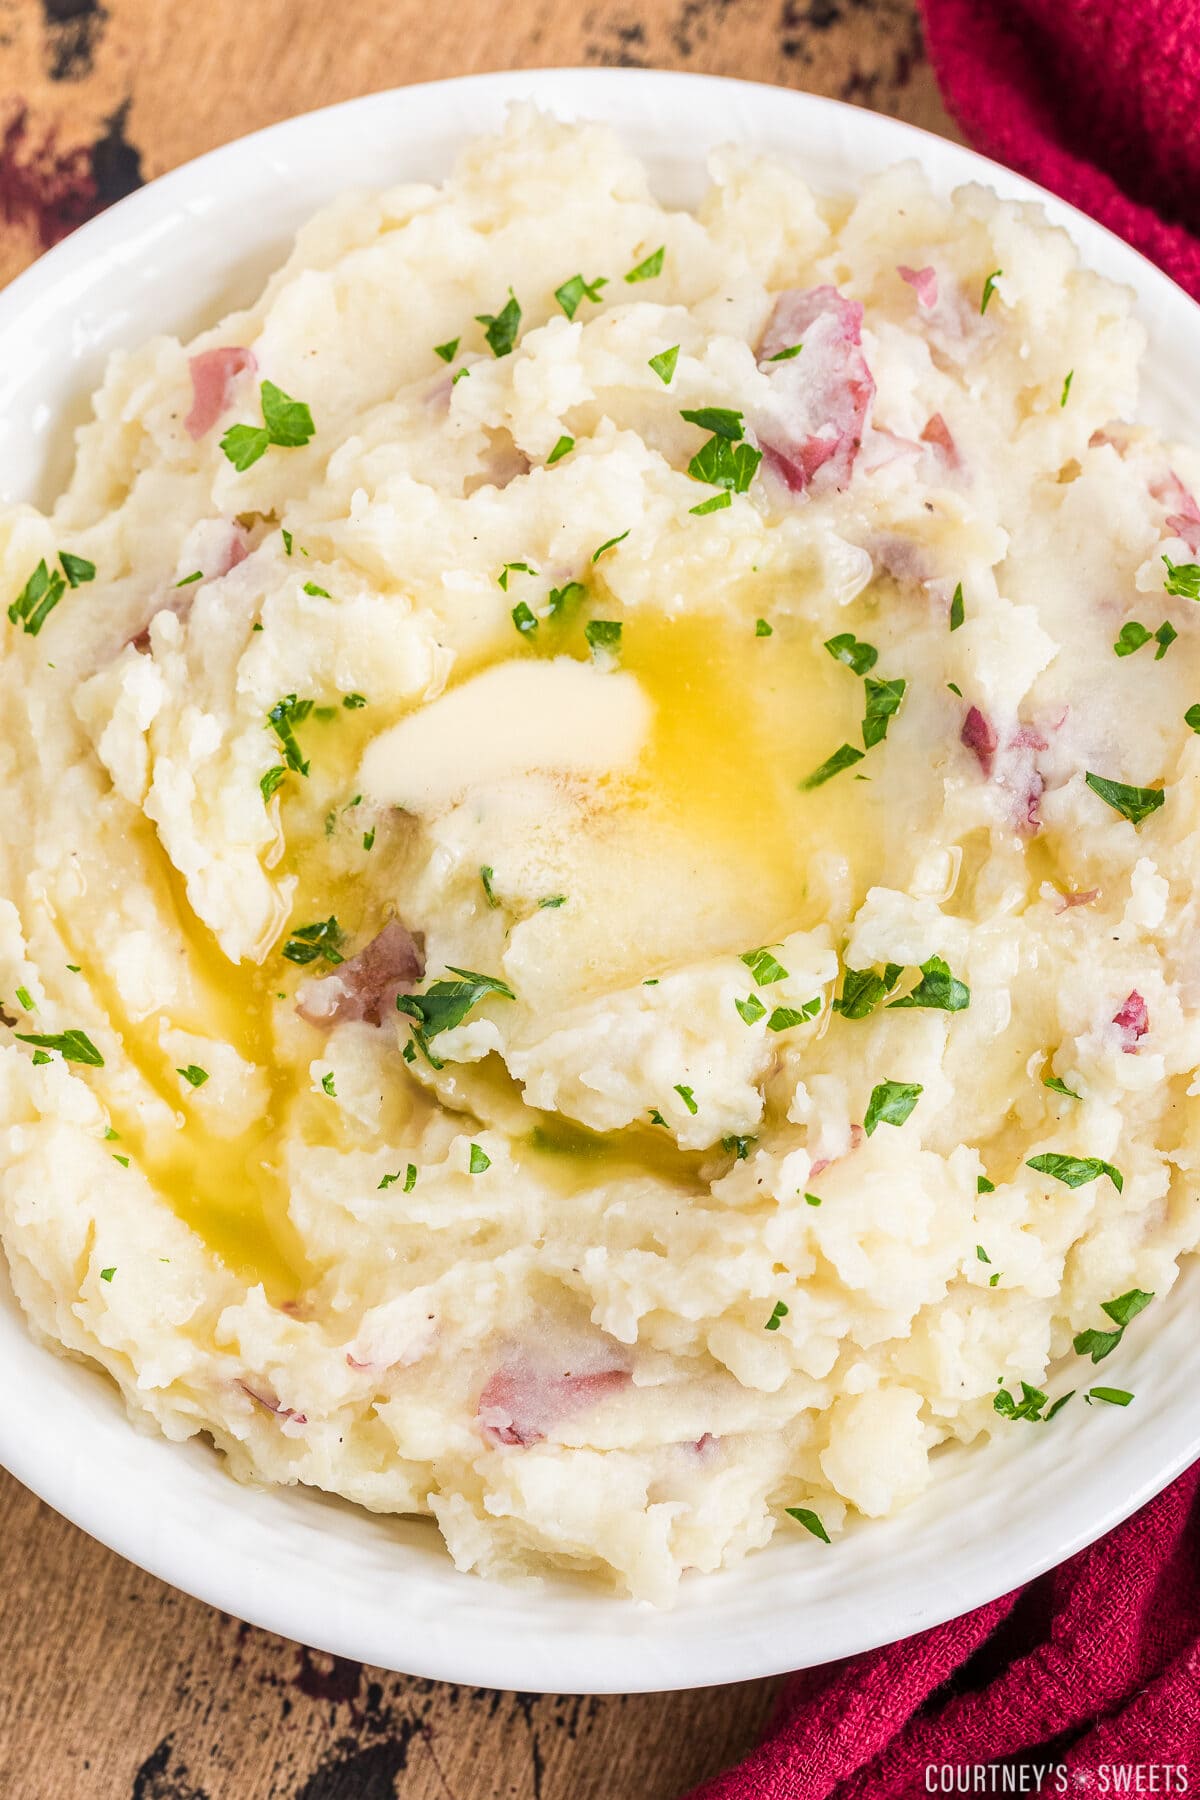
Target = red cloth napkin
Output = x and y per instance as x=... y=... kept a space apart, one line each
x=1092 y=1669
x=1099 y=100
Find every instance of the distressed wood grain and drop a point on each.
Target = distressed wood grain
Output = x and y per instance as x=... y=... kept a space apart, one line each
x=113 y=1686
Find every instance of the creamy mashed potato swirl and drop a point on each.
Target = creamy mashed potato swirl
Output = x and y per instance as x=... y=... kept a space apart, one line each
x=597 y=922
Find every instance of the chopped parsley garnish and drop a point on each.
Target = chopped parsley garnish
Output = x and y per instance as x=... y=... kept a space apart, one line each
x=447 y=351
x=687 y=1096
x=37 y=599
x=1164 y=637
x=762 y=629
x=737 y=1147
x=989 y=288
x=318 y=593
x=982 y=1254
x=764 y=967
x=286 y=422
x=1113 y=1396
x=863 y=990
x=459 y=375
x=787 y=354
x=722 y=421
x=1099 y=1344
x=602 y=634
x=353 y=702
x=780 y=1313
x=551 y=902
x=328 y=1085
x=524 y=618
x=721 y=462
x=77 y=569
x=1192 y=717
x=1029 y=1406
x=73 y=1046
x=812 y=1199
x=288 y=541
x=983 y=1185
x=843 y=758
x=937 y=989
x=1183 y=579
x=652 y=266
x=804 y=1515
x=609 y=544
x=271 y=779
x=309 y=943
x=664 y=364
x=445 y=1004
x=891 y=1103
x=194 y=1075
x=883 y=699
x=1060 y=1087
x=784 y=1017
x=486 y=875
x=561 y=598
x=1066 y=387
x=196 y=575
x=514 y=568
x=957 y=609
x=751 y=1009
x=107 y=1274
x=1131 y=637
x=500 y=329
x=368 y=842
x=282 y=719
x=572 y=293
x=656 y=1117
x=954 y=688
x=40 y=1056
x=846 y=648
x=562 y=448
x=1075 y=1171
x=410 y=1178
x=25 y=999
x=480 y=1160
x=1133 y=803
x=718 y=503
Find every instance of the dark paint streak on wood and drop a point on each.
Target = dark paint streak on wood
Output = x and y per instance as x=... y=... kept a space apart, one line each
x=692 y=23
x=350 y=1773
x=324 y=1677
x=73 y=29
x=41 y=187
x=163 y=1778
x=116 y=163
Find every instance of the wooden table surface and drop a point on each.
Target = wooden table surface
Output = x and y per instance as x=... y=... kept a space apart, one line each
x=113 y=1686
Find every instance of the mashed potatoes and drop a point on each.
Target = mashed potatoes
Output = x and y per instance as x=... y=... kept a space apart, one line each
x=491 y=738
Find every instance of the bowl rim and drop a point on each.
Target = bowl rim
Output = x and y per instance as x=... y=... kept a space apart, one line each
x=513 y=1657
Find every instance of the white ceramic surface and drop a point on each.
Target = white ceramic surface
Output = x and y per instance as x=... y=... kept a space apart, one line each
x=173 y=257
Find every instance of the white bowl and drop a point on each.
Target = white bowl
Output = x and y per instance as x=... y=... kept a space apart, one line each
x=173 y=257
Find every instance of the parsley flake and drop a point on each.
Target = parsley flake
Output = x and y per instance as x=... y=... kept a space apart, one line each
x=843 y=758
x=721 y=462
x=318 y=593
x=282 y=719
x=572 y=293
x=500 y=329
x=784 y=1017
x=804 y=1515
x=287 y=423
x=1099 y=1344
x=1164 y=637
x=562 y=448
x=718 y=503
x=937 y=989
x=891 y=1103
x=270 y=780
x=1183 y=579
x=762 y=629
x=989 y=288
x=983 y=1185
x=107 y=1274
x=486 y=876
x=328 y=1085
x=73 y=1046
x=1113 y=1396
x=480 y=1160
x=447 y=351
x=787 y=354
x=764 y=967
x=610 y=544
x=524 y=618
x=652 y=266
x=308 y=943
x=196 y=575
x=445 y=1004
x=194 y=1075
x=957 y=609
x=1059 y=1087
x=664 y=364
x=722 y=421
x=25 y=999
x=513 y=568
x=1192 y=717
x=687 y=1096
x=863 y=990
x=37 y=599
x=737 y=1147
x=1029 y=1406
x=1075 y=1171
x=846 y=648
x=751 y=1009
x=1133 y=803
x=883 y=699
x=1131 y=637
x=780 y=1313
x=603 y=634
x=1066 y=387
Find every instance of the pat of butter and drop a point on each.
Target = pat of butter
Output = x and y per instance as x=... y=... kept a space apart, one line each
x=557 y=717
